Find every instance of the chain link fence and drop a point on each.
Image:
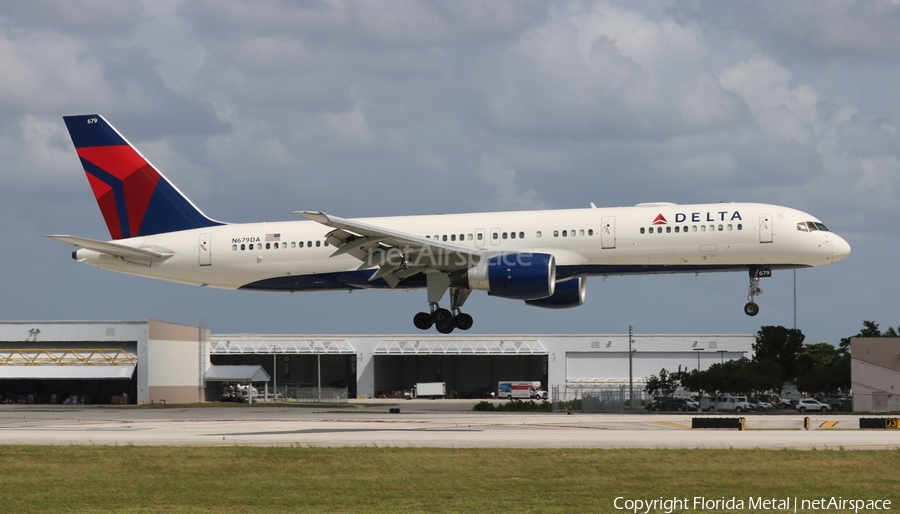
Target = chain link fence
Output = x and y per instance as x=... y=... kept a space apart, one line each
x=610 y=398
x=313 y=394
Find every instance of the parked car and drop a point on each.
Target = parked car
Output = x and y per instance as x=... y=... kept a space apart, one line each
x=759 y=403
x=672 y=404
x=806 y=404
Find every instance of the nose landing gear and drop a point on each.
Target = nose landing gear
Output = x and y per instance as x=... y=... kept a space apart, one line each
x=751 y=309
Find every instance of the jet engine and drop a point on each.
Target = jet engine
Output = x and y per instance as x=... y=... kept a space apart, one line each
x=520 y=276
x=568 y=294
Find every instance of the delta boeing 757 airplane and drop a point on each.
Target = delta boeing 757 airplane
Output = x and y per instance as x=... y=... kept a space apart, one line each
x=541 y=257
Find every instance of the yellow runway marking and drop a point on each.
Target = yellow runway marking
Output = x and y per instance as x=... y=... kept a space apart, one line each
x=667 y=424
x=828 y=424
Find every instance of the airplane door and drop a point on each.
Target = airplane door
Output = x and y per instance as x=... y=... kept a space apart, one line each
x=495 y=236
x=479 y=237
x=765 y=228
x=204 y=252
x=608 y=232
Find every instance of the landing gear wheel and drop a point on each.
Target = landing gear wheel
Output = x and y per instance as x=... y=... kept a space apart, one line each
x=464 y=321
x=446 y=330
x=423 y=321
x=442 y=317
x=751 y=309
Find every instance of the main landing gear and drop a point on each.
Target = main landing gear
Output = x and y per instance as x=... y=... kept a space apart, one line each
x=751 y=309
x=444 y=320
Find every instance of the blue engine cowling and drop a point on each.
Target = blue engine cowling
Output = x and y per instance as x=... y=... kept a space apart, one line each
x=568 y=294
x=521 y=276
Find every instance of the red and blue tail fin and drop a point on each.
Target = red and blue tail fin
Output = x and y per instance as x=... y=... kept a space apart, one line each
x=134 y=197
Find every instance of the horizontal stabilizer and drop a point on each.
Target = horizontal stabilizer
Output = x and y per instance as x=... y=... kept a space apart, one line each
x=115 y=249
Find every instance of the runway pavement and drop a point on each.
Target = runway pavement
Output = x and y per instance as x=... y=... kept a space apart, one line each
x=420 y=423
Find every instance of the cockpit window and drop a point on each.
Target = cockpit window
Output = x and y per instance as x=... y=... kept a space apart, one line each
x=811 y=226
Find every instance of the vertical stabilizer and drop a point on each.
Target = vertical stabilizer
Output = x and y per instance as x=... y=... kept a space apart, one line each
x=134 y=197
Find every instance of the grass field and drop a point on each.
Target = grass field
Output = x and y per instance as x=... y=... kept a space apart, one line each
x=249 y=479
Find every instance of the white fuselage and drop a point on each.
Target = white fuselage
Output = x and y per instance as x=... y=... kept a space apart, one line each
x=645 y=239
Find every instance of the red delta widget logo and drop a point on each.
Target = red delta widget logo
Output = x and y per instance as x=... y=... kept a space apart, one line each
x=699 y=217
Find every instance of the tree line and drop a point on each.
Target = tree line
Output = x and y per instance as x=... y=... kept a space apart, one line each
x=779 y=357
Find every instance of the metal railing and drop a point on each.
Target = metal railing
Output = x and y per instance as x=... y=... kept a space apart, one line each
x=313 y=394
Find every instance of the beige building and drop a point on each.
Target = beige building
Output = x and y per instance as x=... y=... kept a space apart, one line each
x=875 y=374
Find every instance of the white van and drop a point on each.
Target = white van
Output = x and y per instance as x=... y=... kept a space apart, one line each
x=725 y=403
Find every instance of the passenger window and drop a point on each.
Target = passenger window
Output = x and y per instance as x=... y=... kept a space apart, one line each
x=462 y=237
x=294 y=244
x=504 y=235
x=702 y=228
x=556 y=233
x=591 y=232
x=537 y=234
x=720 y=228
x=325 y=243
x=243 y=248
x=712 y=228
x=233 y=248
x=495 y=235
x=521 y=235
x=565 y=232
x=268 y=246
x=479 y=236
x=729 y=227
x=659 y=230
x=740 y=226
x=318 y=244
x=677 y=228
x=642 y=231
x=581 y=232
x=444 y=237
x=251 y=246
x=309 y=244
x=512 y=235
x=668 y=230
x=452 y=238
x=469 y=237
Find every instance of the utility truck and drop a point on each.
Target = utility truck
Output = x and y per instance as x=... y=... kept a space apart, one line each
x=427 y=390
x=531 y=389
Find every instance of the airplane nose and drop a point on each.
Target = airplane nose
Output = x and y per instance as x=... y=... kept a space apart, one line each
x=840 y=249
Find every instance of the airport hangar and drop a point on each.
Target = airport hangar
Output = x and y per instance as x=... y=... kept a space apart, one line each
x=158 y=362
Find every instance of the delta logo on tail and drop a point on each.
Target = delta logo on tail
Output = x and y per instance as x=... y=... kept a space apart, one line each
x=134 y=198
x=660 y=220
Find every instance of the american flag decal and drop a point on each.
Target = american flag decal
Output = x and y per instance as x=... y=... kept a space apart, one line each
x=273 y=237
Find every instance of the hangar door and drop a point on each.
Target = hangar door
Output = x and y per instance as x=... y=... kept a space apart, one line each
x=471 y=368
x=69 y=375
x=591 y=366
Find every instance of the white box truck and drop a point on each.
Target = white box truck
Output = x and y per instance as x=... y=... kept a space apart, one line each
x=530 y=389
x=427 y=390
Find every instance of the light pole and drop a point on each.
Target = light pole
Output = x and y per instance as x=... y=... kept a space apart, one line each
x=630 y=369
x=698 y=350
x=722 y=353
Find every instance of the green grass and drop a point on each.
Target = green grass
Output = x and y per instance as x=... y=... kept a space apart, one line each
x=250 y=479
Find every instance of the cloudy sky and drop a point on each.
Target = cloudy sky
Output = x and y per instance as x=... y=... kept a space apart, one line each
x=255 y=109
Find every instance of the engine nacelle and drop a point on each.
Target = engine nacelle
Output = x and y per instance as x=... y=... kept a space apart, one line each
x=520 y=276
x=568 y=294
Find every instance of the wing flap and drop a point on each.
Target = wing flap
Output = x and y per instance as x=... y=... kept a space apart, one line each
x=115 y=249
x=397 y=254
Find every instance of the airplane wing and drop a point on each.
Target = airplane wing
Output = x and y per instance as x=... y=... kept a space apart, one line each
x=397 y=254
x=115 y=249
